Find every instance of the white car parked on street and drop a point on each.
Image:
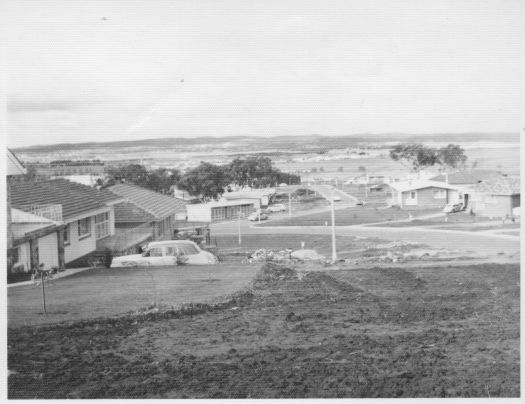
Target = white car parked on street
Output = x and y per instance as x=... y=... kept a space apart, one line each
x=278 y=207
x=159 y=253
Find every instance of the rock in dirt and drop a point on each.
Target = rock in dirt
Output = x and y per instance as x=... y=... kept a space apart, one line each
x=307 y=255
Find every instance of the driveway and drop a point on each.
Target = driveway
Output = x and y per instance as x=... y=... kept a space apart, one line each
x=107 y=292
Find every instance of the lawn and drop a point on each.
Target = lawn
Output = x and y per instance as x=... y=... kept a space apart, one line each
x=455 y=221
x=350 y=216
x=419 y=332
x=101 y=292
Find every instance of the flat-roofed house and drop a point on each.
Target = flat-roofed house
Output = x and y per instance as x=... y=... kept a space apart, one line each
x=216 y=211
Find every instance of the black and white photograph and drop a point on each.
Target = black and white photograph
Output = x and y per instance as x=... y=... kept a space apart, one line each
x=262 y=199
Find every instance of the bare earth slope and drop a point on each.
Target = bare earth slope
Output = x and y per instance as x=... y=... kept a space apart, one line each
x=418 y=332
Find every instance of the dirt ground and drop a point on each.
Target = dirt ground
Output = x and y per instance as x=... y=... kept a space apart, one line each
x=390 y=332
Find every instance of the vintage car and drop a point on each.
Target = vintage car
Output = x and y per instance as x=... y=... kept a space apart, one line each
x=278 y=207
x=170 y=252
x=255 y=216
x=453 y=207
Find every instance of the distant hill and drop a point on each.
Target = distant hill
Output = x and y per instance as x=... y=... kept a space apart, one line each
x=297 y=142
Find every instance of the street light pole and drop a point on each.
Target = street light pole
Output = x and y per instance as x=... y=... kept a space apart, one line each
x=239 y=225
x=334 y=252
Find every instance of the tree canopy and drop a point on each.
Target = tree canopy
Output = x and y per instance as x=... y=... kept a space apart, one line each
x=159 y=180
x=418 y=156
x=207 y=181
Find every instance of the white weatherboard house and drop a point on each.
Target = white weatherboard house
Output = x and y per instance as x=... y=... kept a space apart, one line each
x=217 y=211
x=86 y=214
x=425 y=194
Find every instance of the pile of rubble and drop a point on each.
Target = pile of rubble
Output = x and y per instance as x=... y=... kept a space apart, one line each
x=285 y=256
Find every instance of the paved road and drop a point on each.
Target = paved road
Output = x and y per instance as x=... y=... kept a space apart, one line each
x=482 y=243
x=326 y=190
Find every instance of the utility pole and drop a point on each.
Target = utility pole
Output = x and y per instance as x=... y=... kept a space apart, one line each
x=289 y=204
x=239 y=225
x=334 y=252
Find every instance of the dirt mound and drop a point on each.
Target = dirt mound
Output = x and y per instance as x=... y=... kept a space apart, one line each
x=325 y=281
x=272 y=272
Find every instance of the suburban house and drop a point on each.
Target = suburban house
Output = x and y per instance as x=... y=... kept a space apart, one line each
x=84 y=213
x=216 y=211
x=496 y=198
x=425 y=194
x=144 y=212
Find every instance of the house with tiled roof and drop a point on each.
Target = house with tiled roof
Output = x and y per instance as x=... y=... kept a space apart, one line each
x=496 y=198
x=468 y=177
x=143 y=208
x=424 y=194
x=87 y=215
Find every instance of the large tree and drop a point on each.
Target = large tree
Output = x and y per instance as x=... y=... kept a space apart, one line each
x=207 y=181
x=418 y=156
x=159 y=180
x=415 y=155
x=452 y=156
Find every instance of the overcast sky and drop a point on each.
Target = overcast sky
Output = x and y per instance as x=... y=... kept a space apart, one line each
x=119 y=70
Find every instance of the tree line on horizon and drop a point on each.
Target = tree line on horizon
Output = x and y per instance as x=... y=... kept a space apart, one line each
x=207 y=181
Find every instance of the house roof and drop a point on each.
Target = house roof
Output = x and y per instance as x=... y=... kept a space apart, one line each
x=76 y=199
x=127 y=212
x=500 y=186
x=468 y=177
x=24 y=223
x=403 y=186
x=19 y=216
x=158 y=205
x=14 y=166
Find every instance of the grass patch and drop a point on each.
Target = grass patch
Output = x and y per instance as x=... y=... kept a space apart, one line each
x=350 y=216
x=102 y=292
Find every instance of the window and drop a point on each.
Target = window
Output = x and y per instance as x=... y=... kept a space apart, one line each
x=413 y=195
x=171 y=250
x=67 y=240
x=84 y=228
x=440 y=194
x=187 y=249
x=102 y=225
x=155 y=252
